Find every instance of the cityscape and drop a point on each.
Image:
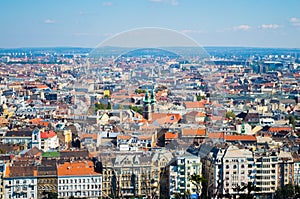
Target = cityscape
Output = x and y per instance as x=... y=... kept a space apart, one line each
x=149 y=113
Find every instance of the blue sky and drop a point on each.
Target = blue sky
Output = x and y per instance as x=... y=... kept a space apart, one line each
x=86 y=23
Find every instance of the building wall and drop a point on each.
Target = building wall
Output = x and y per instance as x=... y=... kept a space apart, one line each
x=266 y=172
x=19 y=187
x=180 y=173
x=297 y=173
x=238 y=169
x=46 y=184
x=80 y=186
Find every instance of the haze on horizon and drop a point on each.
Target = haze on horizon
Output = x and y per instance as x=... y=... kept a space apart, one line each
x=81 y=23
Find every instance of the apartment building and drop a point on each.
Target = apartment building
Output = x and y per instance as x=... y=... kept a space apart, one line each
x=266 y=173
x=238 y=170
x=78 y=179
x=181 y=170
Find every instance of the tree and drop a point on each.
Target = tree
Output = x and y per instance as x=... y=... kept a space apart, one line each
x=197 y=180
x=139 y=91
x=285 y=192
x=49 y=195
x=137 y=109
x=199 y=97
x=250 y=187
x=230 y=115
x=292 y=121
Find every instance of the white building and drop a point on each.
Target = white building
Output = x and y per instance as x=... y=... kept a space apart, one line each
x=20 y=183
x=238 y=169
x=266 y=172
x=79 y=179
x=45 y=140
x=180 y=172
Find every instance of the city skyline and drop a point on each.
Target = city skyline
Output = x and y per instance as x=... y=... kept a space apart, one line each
x=88 y=23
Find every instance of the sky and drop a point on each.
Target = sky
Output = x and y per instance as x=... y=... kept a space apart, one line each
x=86 y=23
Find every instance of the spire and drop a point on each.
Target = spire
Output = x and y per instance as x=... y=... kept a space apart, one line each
x=153 y=100
x=146 y=98
x=243 y=128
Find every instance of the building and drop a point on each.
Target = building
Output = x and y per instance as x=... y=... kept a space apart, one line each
x=180 y=172
x=266 y=173
x=78 y=179
x=20 y=182
x=47 y=178
x=147 y=111
x=296 y=159
x=238 y=170
x=285 y=168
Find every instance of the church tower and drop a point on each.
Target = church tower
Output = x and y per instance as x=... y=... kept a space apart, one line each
x=147 y=107
x=153 y=101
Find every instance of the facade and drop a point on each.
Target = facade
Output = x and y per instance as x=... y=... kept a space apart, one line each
x=78 y=179
x=238 y=169
x=49 y=140
x=133 y=176
x=20 y=182
x=266 y=173
x=296 y=159
x=47 y=179
x=285 y=168
x=180 y=172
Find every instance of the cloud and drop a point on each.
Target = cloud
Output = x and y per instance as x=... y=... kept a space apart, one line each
x=49 y=21
x=270 y=26
x=294 y=21
x=188 y=31
x=107 y=3
x=171 y=2
x=242 y=27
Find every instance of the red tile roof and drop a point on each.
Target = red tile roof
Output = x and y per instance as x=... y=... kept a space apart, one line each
x=171 y=135
x=124 y=137
x=278 y=129
x=240 y=138
x=80 y=168
x=193 y=132
x=216 y=135
x=194 y=104
x=92 y=136
x=47 y=134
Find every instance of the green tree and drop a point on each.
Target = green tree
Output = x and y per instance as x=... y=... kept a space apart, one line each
x=197 y=180
x=139 y=91
x=137 y=109
x=285 y=192
x=101 y=106
x=250 y=187
x=292 y=121
x=230 y=115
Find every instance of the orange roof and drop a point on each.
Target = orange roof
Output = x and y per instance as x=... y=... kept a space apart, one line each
x=278 y=129
x=171 y=135
x=124 y=137
x=240 y=138
x=166 y=117
x=201 y=114
x=39 y=121
x=193 y=132
x=216 y=135
x=80 y=168
x=47 y=134
x=194 y=104
x=145 y=137
x=93 y=136
x=42 y=86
